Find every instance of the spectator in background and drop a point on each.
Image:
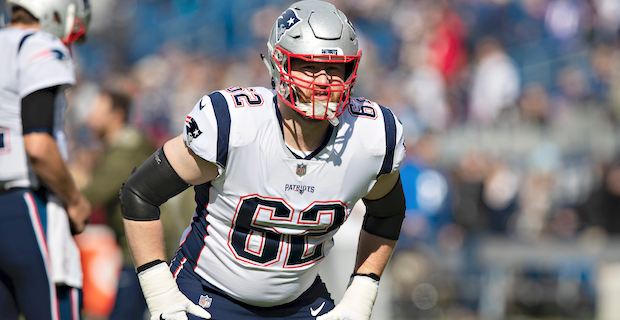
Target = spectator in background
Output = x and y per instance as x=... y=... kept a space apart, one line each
x=427 y=90
x=535 y=197
x=433 y=50
x=446 y=41
x=573 y=91
x=495 y=83
x=534 y=105
x=427 y=190
x=601 y=208
x=563 y=19
x=602 y=72
x=125 y=148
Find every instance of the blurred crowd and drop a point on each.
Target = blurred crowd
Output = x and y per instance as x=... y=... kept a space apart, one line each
x=511 y=110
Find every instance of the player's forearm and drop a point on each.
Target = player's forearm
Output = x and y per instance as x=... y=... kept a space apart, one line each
x=145 y=240
x=49 y=166
x=373 y=253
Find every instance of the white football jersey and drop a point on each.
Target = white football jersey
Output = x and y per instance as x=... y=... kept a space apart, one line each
x=30 y=60
x=264 y=225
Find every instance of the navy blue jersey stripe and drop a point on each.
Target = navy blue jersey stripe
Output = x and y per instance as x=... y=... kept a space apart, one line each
x=390 y=139
x=222 y=116
x=193 y=244
x=21 y=43
x=202 y=195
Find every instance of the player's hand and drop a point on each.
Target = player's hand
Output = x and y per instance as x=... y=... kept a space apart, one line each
x=357 y=302
x=163 y=297
x=79 y=211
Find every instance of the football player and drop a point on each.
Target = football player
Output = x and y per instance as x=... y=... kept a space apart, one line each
x=40 y=206
x=276 y=173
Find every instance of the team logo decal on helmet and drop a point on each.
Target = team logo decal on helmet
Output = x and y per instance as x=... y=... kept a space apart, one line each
x=286 y=21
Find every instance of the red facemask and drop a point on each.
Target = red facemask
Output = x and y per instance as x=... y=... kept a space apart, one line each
x=312 y=108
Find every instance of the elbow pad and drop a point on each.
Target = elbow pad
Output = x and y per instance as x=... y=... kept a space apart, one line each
x=384 y=217
x=148 y=187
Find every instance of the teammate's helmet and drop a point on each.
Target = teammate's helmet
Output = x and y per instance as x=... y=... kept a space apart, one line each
x=313 y=30
x=66 y=19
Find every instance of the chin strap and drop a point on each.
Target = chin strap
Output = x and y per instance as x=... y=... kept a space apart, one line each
x=307 y=108
x=334 y=121
x=268 y=65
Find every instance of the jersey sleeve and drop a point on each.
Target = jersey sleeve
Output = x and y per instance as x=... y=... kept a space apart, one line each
x=43 y=62
x=207 y=128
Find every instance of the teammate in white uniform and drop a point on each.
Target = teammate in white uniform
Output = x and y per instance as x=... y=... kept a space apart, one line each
x=276 y=173
x=35 y=235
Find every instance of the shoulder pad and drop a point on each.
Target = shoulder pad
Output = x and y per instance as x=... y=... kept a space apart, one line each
x=371 y=119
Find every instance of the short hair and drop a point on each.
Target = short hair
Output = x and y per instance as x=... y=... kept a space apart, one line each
x=23 y=16
x=121 y=101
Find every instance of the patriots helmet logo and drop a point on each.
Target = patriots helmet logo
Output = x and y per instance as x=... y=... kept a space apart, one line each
x=191 y=129
x=286 y=21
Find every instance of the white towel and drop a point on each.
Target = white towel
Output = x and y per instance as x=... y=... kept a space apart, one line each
x=64 y=253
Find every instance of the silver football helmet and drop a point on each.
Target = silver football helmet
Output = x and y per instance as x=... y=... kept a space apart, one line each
x=66 y=19
x=316 y=31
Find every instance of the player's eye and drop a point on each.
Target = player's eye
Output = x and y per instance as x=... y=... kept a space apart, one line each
x=310 y=67
x=334 y=68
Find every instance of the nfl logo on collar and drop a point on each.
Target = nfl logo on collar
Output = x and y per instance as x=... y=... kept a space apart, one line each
x=301 y=169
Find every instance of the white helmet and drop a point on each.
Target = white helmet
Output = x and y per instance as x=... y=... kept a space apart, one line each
x=66 y=19
x=316 y=31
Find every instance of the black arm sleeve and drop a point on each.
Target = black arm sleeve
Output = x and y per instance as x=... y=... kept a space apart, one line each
x=148 y=187
x=384 y=217
x=38 y=110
